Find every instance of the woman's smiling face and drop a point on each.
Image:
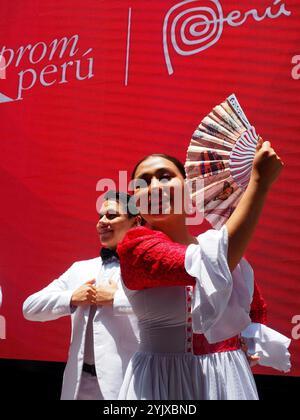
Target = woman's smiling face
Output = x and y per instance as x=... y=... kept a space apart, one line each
x=159 y=188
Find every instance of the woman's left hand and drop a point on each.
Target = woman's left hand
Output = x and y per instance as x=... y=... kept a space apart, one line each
x=252 y=359
x=267 y=165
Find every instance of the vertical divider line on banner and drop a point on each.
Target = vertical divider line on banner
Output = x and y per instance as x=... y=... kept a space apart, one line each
x=128 y=46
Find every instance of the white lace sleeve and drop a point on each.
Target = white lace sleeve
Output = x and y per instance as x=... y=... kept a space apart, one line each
x=221 y=302
x=269 y=345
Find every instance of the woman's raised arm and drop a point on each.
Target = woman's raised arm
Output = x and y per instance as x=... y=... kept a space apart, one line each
x=241 y=225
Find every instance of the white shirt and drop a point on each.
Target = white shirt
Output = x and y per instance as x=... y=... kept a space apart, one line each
x=107 y=270
x=115 y=331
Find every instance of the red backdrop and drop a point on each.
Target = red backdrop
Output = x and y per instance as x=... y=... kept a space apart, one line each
x=114 y=94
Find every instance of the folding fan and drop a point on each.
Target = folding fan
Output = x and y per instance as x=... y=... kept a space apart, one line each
x=219 y=160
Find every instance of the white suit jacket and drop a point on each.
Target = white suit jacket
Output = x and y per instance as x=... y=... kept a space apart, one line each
x=115 y=328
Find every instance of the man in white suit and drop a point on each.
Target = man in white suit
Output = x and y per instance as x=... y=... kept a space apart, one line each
x=104 y=329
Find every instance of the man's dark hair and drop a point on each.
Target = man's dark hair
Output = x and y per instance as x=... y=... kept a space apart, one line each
x=125 y=199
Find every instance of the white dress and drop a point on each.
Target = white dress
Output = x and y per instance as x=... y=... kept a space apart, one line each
x=165 y=367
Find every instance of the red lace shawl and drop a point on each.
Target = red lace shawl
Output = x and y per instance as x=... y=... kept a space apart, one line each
x=150 y=258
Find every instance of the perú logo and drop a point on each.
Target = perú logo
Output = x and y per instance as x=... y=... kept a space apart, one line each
x=61 y=61
x=193 y=26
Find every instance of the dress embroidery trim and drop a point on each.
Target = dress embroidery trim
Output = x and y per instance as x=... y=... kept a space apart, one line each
x=189 y=328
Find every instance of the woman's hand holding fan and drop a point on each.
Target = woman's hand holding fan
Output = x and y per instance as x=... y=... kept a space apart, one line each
x=242 y=223
x=267 y=165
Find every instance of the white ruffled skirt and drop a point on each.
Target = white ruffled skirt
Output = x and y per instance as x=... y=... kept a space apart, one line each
x=217 y=376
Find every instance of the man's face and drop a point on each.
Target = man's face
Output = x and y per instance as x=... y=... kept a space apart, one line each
x=113 y=224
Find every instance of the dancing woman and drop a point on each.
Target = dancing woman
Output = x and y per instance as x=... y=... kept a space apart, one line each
x=191 y=295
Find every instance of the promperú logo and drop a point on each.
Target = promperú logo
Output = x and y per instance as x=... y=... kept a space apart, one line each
x=193 y=26
x=73 y=64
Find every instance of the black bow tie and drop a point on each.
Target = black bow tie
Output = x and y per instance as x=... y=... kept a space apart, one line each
x=108 y=254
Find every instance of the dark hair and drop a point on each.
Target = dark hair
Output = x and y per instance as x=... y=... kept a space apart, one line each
x=172 y=159
x=125 y=199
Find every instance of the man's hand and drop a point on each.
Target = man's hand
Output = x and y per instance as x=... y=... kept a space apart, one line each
x=85 y=295
x=105 y=294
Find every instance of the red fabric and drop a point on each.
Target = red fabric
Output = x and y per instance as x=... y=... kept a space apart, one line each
x=258 y=312
x=61 y=139
x=151 y=259
x=201 y=346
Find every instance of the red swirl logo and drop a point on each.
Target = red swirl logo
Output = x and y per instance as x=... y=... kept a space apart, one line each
x=191 y=27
